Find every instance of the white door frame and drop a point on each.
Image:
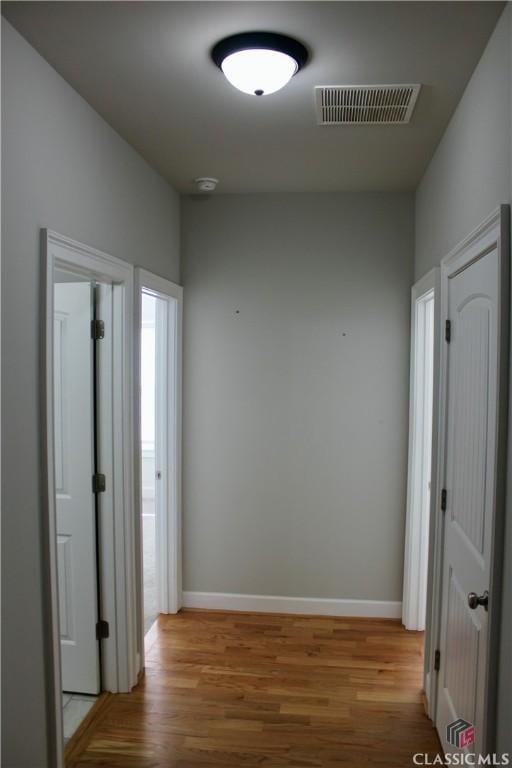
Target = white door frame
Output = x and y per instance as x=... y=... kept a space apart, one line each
x=116 y=556
x=415 y=587
x=169 y=560
x=494 y=232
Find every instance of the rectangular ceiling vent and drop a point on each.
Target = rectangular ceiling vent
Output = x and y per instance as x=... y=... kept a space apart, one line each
x=365 y=104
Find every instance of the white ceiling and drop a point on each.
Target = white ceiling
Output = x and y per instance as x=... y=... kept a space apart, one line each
x=145 y=67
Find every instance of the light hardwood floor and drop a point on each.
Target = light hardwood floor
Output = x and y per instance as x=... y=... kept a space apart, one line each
x=235 y=689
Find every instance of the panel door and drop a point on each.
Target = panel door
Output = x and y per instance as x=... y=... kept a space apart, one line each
x=471 y=455
x=74 y=462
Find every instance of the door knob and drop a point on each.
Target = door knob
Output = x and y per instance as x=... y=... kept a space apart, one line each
x=475 y=600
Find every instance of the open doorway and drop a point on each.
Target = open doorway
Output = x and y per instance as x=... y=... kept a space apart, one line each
x=421 y=562
x=421 y=451
x=87 y=347
x=150 y=473
x=159 y=444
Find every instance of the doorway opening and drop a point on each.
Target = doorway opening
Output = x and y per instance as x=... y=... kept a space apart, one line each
x=159 y=441
x=89 y=584
x=421 y=421
x=150 y=470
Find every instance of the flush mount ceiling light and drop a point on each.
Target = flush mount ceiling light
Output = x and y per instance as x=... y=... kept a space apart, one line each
x=259 y=63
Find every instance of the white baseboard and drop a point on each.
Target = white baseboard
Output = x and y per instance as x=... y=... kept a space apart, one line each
x=316 y=606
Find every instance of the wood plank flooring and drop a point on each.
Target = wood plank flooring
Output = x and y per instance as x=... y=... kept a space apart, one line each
x=235 y=689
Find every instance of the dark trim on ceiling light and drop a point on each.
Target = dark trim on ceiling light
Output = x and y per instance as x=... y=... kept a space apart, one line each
x=260 y=40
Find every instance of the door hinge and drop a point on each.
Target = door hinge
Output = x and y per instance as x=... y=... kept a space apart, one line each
x=97 y=329
x=448 y=331
x=99 y=483
x=437 y=660
x=444 y=496
x=102 y=629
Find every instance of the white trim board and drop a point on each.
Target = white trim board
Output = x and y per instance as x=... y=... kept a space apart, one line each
x=314 y=606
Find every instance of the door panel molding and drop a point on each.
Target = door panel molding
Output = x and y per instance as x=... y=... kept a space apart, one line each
x=119 y=651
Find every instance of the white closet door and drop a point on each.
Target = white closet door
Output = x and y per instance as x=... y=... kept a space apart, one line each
x=471 y=458
x=74 y=460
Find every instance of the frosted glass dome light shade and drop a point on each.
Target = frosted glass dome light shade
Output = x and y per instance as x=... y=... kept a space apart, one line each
x=259 y=63
x=259 y=71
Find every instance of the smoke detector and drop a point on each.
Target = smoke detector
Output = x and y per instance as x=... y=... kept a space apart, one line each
x=206 y=184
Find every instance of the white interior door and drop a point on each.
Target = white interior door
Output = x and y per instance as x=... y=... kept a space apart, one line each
x=470 y=479
x=74 y=468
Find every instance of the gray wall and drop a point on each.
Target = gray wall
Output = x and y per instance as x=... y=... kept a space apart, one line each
x=469 y=174
x=64 y=168
x=296 y=356
x=468 y=177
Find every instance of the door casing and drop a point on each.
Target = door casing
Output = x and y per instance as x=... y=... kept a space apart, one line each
x=494 y=232
x=120 y=661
